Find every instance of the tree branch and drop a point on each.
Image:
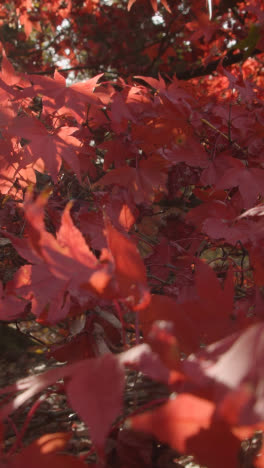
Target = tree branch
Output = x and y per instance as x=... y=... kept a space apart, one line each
x=229 y=59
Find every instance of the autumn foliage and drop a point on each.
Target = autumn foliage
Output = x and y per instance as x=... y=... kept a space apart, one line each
x=132 y=197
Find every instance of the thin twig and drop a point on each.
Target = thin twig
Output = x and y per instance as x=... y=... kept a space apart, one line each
x=236 y=145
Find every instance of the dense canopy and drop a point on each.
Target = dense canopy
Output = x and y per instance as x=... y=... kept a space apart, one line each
x=132 y=201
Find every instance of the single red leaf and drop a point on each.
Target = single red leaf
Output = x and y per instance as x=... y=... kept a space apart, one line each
x=249 y=181
x=121 y=210
x=234 y=364
x=116 y=153
x=187 y=149
x=117 y=205
x=92 y=227
x=62 y=266
x=222 y=229
x=16 y=171
x=8 y=73
x=47 y=294
x=80 y=347
x=165 y=308
x=69 y=256
x=186 y=423
x=196 y=322
x=218 y=220
x=57 y=96
x=142 y=359
x=162 y=339
x=130 y=272
x=143 y=182
x=51 y=148
x=218 y=166
x=120 y=112
x=217 y=302
x=95 y=393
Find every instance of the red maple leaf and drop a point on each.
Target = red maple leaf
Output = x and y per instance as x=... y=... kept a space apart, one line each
x=117 y=206
x=16 y=170
x=101 y=385
x=219 y=220
x=232 y=369
x=130 y=271
x=50 y=147
x=186 y=423
x=143 y=182
x=63 y=265
x=73 y=99
x=165 y=308
x=206 y=317
x=9 y=76
x=250 y=182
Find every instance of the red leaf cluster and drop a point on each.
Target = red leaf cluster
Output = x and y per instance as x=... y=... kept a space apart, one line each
x=131 y=208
